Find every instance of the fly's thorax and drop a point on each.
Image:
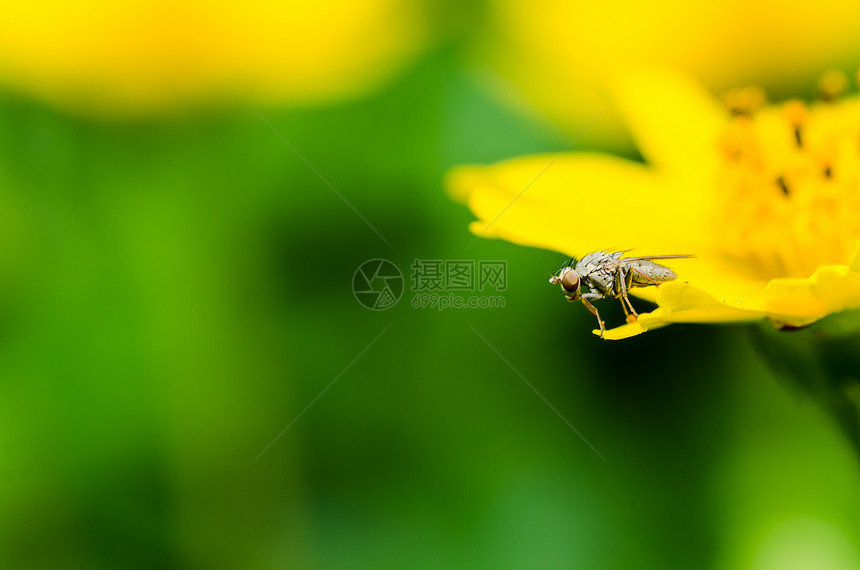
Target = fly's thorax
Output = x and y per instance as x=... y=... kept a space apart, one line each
x=599 y=281
x=596 y=260
x=594 y=270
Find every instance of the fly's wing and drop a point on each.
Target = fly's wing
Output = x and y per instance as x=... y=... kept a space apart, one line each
x=652 y=257
x=645 y=272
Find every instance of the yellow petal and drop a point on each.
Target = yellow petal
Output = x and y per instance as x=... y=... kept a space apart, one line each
x=682 y=303
x=854 y=265
x=728 y=283
x=580 y=203
x=676 y=123
x=795 y=302
x=646 y=321
x=710 y=291
x=624 y=331
x=686 y=303
x=715 y=276
x=799 y=302
x=556 y=55
x=116 y=57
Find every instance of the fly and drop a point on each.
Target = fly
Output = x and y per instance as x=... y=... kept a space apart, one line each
x=609 y=274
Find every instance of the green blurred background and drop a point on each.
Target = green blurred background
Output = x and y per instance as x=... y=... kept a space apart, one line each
x=175 y=291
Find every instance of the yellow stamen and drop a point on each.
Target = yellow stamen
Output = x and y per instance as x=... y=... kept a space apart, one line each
x=795 y=112
x=832 y=85
x=790 y=189
x=745 y=100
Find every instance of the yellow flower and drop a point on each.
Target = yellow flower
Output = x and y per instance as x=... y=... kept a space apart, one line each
x=767 y=199
x=104 y=57
x=558 y=55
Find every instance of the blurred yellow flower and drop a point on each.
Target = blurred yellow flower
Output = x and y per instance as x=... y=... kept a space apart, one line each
x=113 y=58
x=767 y=199
x=558 y=55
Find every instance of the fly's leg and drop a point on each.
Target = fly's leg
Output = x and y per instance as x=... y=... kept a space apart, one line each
x=593 y=309
x=625 y=280
x=627 y=316
x=622 y=284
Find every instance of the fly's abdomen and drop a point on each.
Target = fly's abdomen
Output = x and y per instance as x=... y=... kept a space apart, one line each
x=650 y=273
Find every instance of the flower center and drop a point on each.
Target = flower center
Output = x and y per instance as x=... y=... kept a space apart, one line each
x=789 y=185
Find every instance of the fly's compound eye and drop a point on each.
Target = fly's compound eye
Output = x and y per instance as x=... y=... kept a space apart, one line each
x=570 y=281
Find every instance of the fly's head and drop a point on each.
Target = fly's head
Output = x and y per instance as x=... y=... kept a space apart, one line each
x=571 y=284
